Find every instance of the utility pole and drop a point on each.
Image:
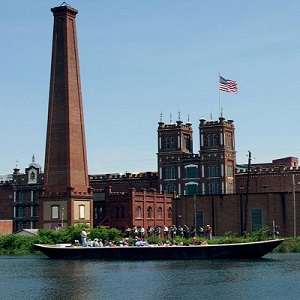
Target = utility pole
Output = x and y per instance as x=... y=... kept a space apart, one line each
x=294 y=204
x=247 y=193
x=195 y=212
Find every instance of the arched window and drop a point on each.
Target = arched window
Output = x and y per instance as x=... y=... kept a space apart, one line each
x=167 y=143
x=20 y=212
x=213 y=188
x=170 y=188
x=209 y=140
x=172 y=143
x=21 y=197
x=122 y=212
x=159 y=213
x=214 y=140
x=213 y=171
x=149 y=212
x=170 y=213
x=170 y=173
x=138 y=212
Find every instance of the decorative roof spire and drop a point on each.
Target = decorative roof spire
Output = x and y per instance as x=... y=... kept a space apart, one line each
x=161 y=116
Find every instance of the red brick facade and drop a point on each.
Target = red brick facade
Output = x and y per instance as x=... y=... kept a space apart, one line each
x=132 y=208
x=234 y=213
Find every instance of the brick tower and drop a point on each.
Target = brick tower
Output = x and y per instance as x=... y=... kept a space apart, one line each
x=175 y=143
x=218 y=155
x=67 y=197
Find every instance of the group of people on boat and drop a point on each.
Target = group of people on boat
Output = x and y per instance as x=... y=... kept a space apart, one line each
x=137 y=234
x=170 y=232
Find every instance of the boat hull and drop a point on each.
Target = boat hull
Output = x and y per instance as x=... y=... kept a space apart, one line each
x=252 y=250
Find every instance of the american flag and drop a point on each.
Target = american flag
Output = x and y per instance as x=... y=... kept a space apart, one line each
x=227 y=85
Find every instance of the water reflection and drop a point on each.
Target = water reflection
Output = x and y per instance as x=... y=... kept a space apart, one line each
x=274 y=277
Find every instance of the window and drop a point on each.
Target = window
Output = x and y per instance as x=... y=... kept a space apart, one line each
x=187 y=143
x=159 y=213
x=228 y=140
x=209 y=140
x=170 y=143
x=191 y=171
x=213 y=188
x=100 y=213
x=213 y=171
x=20 y=212
x=149 y=212
x=138 y=212
x=256 y=219
x=167 y=143
x=122 y=212
x=191 y=189
x=117 y=212
x=20 y=226
x=96 y=213
x=230 y=188
x=214 y=140
x=81 y=212
x=21 y=197
x=170 y=213
x=229 y=171
x=199 y=218
x=54 y=212
x=170 y=173
x=170 y=188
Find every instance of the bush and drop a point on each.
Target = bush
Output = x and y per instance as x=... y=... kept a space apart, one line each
x=16 y=244
x=289 y=245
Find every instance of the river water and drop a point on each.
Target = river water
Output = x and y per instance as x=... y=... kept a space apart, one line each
x=276 y=276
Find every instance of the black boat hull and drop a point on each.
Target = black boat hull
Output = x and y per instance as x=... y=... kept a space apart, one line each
x=252 y=250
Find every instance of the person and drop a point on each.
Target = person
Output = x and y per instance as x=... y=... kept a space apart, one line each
x=195 y=240
x=180 y=232
x=142 y=232
x=150 y=231
x=142 y=243
x=166 y=231
x=157 y=230
x=200 y=231
x=173 y=230
x=186 y=231
x=134 y=231
x=208 y=232
x=84 y=235
x=95 y=243
x=128 y=230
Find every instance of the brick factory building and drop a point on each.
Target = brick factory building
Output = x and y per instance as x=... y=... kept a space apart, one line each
x=188 y=188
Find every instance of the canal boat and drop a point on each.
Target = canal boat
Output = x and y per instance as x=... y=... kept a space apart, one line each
x=250 y=250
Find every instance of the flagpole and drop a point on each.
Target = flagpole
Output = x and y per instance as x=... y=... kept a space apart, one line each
x=219 y=96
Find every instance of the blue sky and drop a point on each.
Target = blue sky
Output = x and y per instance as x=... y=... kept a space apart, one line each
x=141 y=58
